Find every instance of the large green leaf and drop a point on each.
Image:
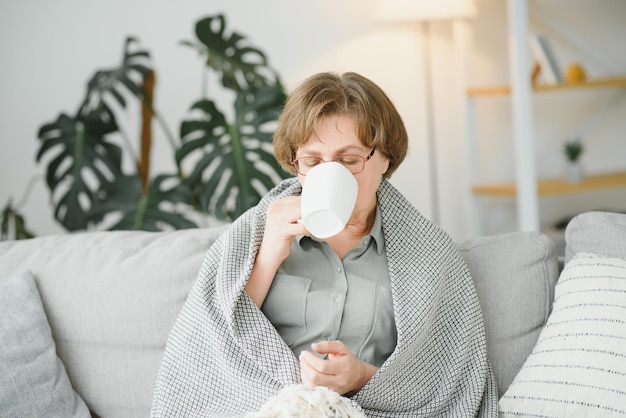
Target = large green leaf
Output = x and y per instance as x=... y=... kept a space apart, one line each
x=82 y=163
x=116 y=83
x=241 y=65
x=152 y=212
x=234 y=164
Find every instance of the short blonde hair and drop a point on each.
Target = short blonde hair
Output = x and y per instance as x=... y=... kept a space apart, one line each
x=378 y=123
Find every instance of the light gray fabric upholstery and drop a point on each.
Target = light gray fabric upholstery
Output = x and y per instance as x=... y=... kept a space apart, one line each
x=515 y=275
x=597 y=233
x=33 y=381
x=111 y=299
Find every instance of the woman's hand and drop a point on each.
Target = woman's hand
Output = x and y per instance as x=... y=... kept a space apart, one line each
x=341 y=371
x=281 y=227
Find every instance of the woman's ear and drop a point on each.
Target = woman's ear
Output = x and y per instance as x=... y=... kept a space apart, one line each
x=385 y=165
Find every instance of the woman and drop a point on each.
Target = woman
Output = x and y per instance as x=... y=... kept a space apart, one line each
x=384 y=312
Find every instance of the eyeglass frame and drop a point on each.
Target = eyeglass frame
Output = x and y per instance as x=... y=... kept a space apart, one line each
x=294 y=161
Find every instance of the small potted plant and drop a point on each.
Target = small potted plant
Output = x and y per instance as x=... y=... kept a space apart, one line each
x=574 y=171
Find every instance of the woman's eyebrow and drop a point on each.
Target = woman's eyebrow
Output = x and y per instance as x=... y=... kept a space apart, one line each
x=351 y=149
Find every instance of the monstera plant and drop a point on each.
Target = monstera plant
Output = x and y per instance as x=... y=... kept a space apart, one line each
x=220 y=167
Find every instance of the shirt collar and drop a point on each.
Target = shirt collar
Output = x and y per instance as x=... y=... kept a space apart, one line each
x=376 y=233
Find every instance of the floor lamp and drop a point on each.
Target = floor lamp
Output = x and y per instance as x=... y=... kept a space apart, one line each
x=425 y=12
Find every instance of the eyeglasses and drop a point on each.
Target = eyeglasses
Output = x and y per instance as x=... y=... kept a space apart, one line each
x=354 y=163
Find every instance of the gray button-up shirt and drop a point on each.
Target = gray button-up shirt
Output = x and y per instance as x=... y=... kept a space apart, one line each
x=317 y=296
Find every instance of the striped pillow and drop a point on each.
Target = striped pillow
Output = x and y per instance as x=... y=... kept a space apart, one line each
x=578 y=366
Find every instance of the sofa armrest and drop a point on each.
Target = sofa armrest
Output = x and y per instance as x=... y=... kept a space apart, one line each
x=597 y=233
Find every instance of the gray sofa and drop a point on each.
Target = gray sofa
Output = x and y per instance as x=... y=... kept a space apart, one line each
x=110 y=299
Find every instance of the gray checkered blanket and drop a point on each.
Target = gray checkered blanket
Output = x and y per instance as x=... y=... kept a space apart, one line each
x=224 y=358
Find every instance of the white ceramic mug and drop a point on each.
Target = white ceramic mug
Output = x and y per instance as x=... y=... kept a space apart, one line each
x=328 y=197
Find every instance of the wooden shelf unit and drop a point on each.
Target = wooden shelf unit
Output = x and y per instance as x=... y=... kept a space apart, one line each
x=615 y=82
x=521 y=91
x=556 y=186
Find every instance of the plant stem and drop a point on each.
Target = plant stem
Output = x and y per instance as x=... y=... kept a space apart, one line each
x=29 y=189
x=168 y=133
x=141 y=210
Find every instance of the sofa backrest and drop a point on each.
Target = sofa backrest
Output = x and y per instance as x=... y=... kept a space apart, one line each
x=515 y=275
x=111 y=299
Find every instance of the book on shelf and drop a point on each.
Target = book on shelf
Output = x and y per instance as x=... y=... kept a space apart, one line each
x=550 y=68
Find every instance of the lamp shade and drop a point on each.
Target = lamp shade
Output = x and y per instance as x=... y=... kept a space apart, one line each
x=424 y=10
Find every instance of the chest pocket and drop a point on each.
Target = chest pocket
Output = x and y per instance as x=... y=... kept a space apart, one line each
x=368 y=327
x=382 y=338
x=285 y=306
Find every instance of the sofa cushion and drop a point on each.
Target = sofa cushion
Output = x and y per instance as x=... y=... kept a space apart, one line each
x=111 y=299
x=33 y=381
x=598 y=233
x=578 y=366
x=514 y=275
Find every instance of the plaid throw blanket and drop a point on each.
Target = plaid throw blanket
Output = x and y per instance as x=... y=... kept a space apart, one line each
x=224 y=358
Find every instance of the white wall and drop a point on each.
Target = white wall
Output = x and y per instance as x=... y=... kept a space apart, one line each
x=49 y=49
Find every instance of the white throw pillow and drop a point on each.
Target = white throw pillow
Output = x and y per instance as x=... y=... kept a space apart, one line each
x=578 y=366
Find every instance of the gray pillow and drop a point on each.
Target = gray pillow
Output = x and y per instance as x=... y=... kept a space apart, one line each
x=515 y=275
x=598 y=233
x=33 y=381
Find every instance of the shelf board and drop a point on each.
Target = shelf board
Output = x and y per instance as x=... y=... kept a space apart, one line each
x=556 y=186
x=616 y=82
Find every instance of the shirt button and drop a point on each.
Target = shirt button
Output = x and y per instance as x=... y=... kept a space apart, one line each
x=337 y=299
x=338 y=269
